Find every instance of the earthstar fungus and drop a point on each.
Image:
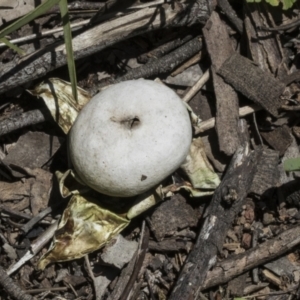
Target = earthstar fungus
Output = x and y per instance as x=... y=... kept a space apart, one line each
x=130 y=137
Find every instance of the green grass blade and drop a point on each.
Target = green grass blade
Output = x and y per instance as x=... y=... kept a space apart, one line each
x=63 y=5
x=12 y=46
x=29 y=17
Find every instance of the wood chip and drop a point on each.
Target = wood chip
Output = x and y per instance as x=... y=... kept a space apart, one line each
x=257 y=85
x=265 y=48
x=236 y=286
x=172 y=215
x=219 y=47
x=267 y=175
x=279 y=139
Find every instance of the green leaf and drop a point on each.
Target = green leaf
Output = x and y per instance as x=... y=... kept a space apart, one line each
x=273 y=2
x=63 y=5
x=41 y=9
x=12 y=46
x=292 y=164
x=287 y=4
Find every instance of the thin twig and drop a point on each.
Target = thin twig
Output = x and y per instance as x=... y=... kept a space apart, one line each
x=235 y=265
x=36 y=246
x=14 y=213
x=138 y=264
x=280 y=28
x=198 y=85
x=290 y=107
x=255 y=275
x=256 y=128
x=26 y=227
x=164 y=48
x=210 y=123
x=88 y=266
x=285 y=292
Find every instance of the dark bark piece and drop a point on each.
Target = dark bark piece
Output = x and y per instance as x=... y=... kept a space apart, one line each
x=108 y=7
x=25 y=119
x=265 y=252
x=257 y=85
x=231 y=15
x=194 y=12
x=219 y=47
x=164 y=49
x=279 y=139
x=172 y=215
x=217 y=158
x=203 y=105
x=15 y=214
x=226 y=203
x=170 y=245
x=290 y=192
x=165 y=64
x=236 y=285
x=267 y=175
x=265 y=48
x=30 y=224
x=12 y=288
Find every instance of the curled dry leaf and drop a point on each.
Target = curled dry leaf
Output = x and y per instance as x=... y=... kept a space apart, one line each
x=198 y=169
x=195 y=120
x=69 y=184
x=85 y=227
x=57 y=95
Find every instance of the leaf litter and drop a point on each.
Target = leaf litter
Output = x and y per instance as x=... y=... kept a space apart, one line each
x=28 y=187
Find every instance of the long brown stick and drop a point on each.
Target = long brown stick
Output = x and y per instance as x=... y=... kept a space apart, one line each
x=226 y=203
x=265 y=252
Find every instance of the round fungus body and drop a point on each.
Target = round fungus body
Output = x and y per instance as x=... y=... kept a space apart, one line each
x=130 y=137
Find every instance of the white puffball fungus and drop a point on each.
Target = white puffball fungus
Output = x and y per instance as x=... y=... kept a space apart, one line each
x=130 y=137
